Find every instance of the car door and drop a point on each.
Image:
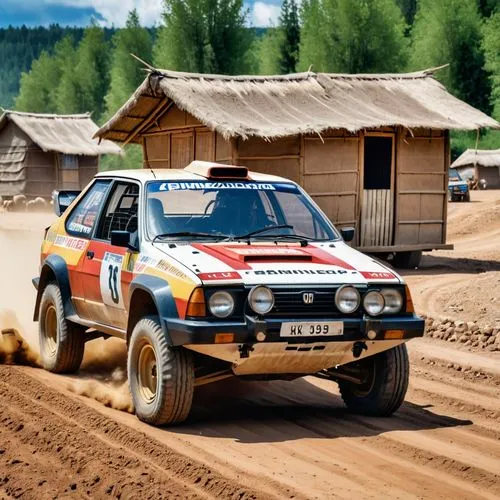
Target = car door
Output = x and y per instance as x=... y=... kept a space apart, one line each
x=73 y=246
x=106 y=273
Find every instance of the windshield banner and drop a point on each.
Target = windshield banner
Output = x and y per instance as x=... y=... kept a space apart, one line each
x=183 y=186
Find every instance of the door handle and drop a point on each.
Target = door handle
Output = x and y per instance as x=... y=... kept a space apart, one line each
x=90 y=254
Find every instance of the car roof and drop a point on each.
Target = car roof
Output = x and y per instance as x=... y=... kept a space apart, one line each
x=169 y=174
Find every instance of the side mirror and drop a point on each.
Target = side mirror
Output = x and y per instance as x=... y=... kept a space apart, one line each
x=347 y=233
x=120 y=238
x=62 y=200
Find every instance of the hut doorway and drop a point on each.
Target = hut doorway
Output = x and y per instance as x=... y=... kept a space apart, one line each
x=377 y=208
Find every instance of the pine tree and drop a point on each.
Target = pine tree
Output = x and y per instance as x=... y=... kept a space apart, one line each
x=315 y=46
x=91 y=71
x=127 y=73
x=289 y=24
x=207 y=36
x=343 y=36
x=65 y=95
x=449 y=31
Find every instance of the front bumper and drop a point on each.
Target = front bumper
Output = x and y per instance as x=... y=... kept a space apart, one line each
x=190 y=332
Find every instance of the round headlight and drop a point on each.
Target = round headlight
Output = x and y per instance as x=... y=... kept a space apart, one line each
x=261 y=299
x=393 y=300
x=221 y=304
x=374 y=303
x=347 y=299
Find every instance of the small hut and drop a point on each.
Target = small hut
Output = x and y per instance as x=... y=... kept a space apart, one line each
x=372 y=150
x=480 y=164
x=40 y=153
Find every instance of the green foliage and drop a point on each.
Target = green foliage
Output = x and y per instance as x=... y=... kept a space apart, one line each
x=409 y=9
x=449 y=31
x=290 y=28
x=207 y=36
x=268 y=50
x=130 y=160
x=491 y=46
x=365 y=36
x=126 y=72
x=37 y=87
x=487 y=7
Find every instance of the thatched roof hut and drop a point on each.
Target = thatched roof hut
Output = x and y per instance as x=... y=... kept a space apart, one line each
x=372 y=150
x=480 y=163
x=43 y=152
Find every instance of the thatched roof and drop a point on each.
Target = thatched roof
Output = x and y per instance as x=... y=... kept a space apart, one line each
x=481 y=157
x=274 y=106
x=69 y=134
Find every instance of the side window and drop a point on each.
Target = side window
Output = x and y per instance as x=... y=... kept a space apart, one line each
x=83 y=217
x=121 y=211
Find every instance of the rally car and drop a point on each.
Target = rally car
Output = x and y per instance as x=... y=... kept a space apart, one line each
x=458 y=188
x=214 y=271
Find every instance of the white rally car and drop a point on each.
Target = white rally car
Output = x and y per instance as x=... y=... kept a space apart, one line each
x=214 y=271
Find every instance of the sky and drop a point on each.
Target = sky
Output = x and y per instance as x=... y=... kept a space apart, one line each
x=108 y=12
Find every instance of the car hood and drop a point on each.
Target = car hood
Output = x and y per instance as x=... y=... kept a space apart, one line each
x=279 y=264
x=457 y=183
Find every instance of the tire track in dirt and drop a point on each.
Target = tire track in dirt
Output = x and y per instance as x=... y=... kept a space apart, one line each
x=77 y=436
x=288 y=439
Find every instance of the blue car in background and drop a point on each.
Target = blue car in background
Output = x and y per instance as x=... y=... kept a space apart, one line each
x=458 y=188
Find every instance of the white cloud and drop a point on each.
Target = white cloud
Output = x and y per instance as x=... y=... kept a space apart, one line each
x=265 y=14
x=114 y=12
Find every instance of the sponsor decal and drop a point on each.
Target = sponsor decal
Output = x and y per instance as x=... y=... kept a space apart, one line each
x=219 y=276
x=183 y=186
x=379 y=275
x=274 y=272
x=270 y=251
x=143 y=262
x=169 y=268
x=70 y=242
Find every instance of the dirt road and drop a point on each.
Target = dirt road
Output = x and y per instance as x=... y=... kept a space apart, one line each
x=255 y=440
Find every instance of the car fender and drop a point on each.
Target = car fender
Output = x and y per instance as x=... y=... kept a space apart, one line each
x=160 y=292
x=55 y=265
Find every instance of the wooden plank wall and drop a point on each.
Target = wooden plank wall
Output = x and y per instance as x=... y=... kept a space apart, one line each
x=421 y=187
x=377 y=219
x=278 y=157
x=41 y=173
x=331 y=175
x=177 y=138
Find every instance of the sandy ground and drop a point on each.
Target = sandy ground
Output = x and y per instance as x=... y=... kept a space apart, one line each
x=64 y=437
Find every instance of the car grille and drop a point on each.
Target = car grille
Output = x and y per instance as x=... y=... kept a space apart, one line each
x=290 y=303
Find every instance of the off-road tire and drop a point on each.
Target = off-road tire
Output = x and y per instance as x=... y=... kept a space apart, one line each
x=174 y=379
x=407 y=260
x=387 y=389
x=61 y=351
x=466 y=197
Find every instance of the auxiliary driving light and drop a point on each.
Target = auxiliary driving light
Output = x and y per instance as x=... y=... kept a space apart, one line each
x=347 y=299
x=221 y=304
x=261 y=336
x=261 y=299
x=372 y=334
x=374 y=303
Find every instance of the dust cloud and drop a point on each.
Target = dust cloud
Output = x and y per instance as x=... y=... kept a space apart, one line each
x=103 y=375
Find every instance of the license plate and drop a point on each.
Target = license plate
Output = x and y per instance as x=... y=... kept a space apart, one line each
x=312 y=329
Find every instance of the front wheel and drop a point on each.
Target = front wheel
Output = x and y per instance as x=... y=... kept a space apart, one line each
x=62 y=343
x=161 y=378
x=385 y=383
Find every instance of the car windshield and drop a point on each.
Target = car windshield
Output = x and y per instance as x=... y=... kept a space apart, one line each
x=232 y=210
x=454 y=175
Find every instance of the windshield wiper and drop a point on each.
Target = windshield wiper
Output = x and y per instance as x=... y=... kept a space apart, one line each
x=262 y=230
x=192 y=234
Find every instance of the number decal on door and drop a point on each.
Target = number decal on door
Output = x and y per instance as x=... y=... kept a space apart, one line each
x=113 y=287
x=110 y=280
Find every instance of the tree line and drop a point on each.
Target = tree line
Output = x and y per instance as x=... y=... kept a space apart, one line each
x=96 y=72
